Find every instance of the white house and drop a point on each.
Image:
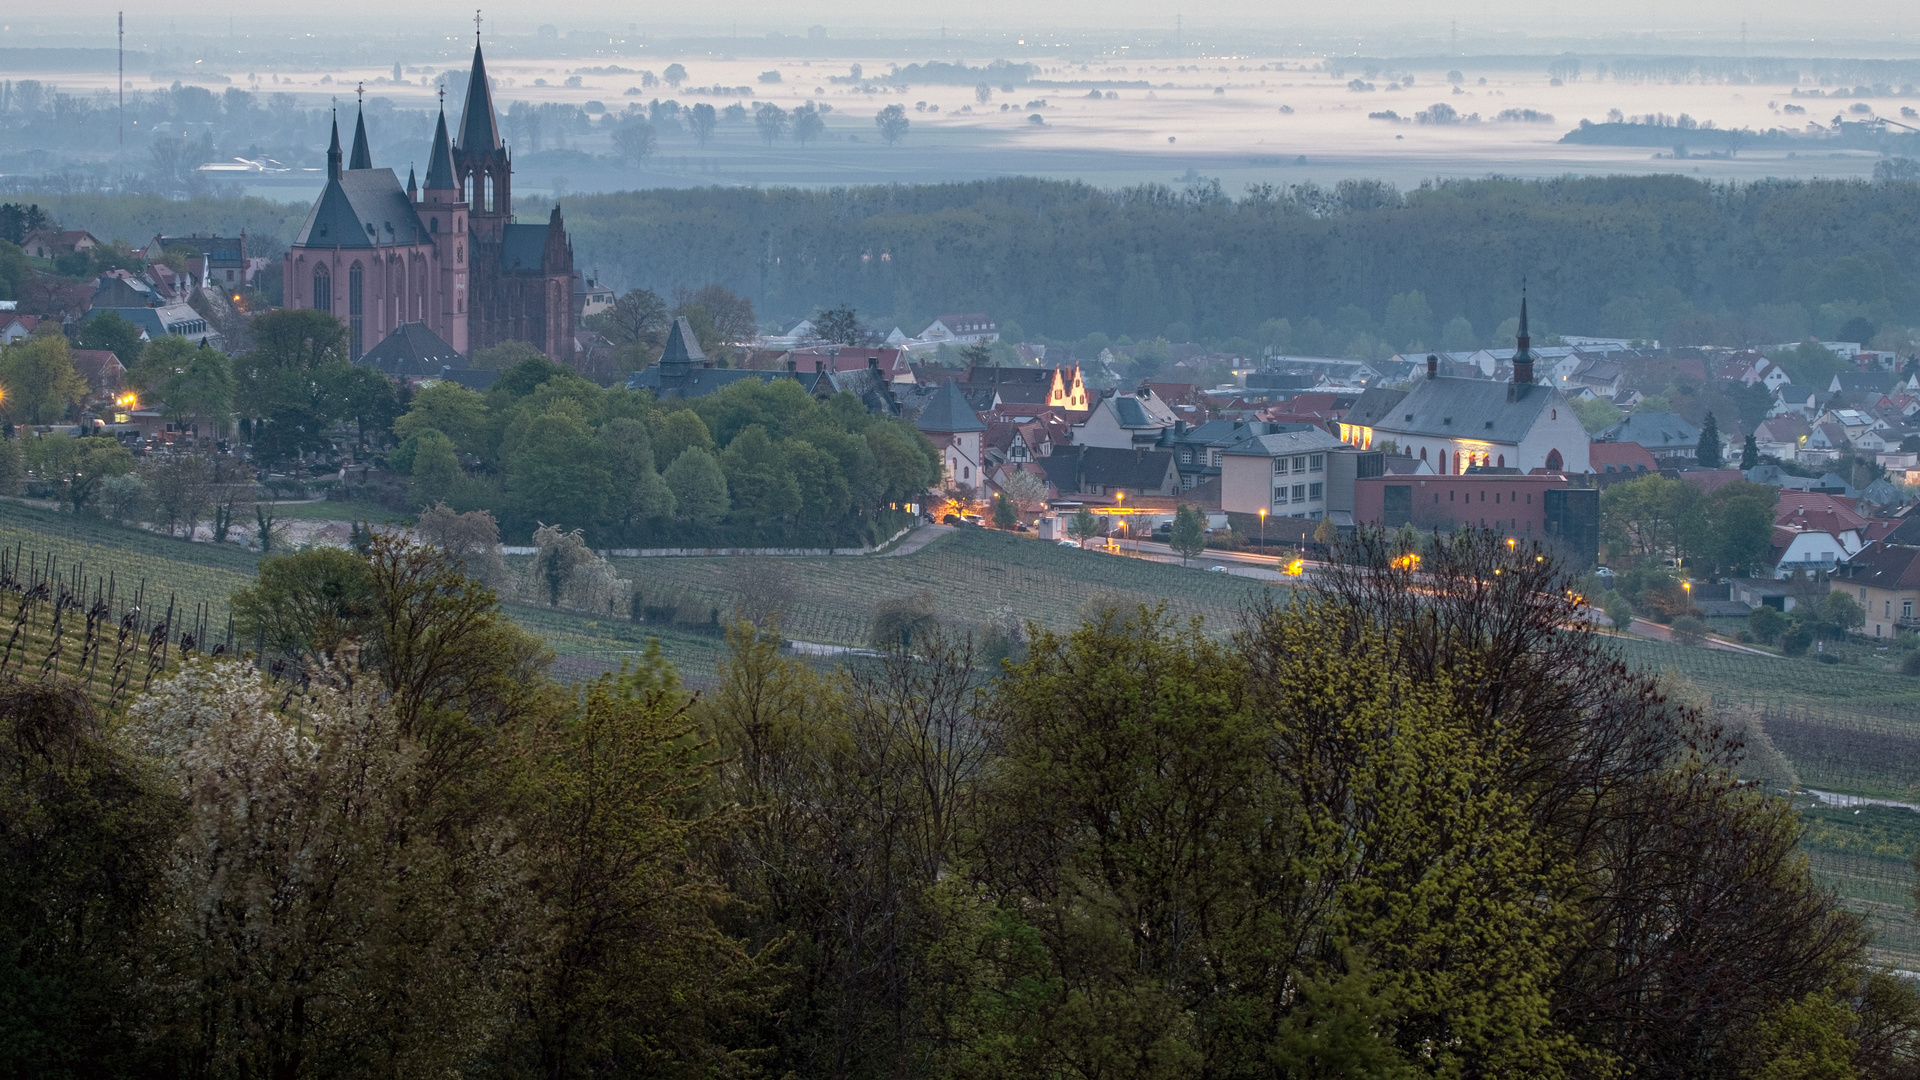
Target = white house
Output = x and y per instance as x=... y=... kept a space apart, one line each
x=1126 y=421
x=969 y=329
x=1797 y=549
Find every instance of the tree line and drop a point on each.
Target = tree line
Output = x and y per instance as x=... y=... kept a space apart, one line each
x=1666 y=257
x=1378 y=831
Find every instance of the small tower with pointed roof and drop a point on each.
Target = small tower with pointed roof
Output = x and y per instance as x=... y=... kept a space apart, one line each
x=333 y=152
x=1522 y=355
x=446 y=212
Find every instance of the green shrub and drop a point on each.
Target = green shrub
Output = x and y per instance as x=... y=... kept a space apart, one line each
x=1797 y=639
x=1911 y=664
x=1766 y=624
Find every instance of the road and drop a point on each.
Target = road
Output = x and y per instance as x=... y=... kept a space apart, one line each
x=1648 y=629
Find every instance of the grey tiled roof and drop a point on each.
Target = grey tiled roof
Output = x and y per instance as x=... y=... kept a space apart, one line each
x=1451 y=408
x=524 y=247
x=1285 y=442
x=1375 y=404
x=357 y=200
x=413 y=349
x=948 y=411
x=1653 y=430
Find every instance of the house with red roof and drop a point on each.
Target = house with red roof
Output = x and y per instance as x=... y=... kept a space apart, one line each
x=101 y=368
x=891 y=362
x=1616 y=458
x=14 y=326
x=53 y=243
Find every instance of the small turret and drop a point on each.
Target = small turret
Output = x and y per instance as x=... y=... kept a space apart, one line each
x=333 y=151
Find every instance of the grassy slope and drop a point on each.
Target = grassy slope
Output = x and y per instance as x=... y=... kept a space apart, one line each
x=974 y=576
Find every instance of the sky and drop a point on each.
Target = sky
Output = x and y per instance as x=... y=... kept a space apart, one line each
x=1859 y=27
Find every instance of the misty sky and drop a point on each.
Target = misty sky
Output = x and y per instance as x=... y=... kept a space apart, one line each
x=1793 y=25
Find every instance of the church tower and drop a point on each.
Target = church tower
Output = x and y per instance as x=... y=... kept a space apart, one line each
x=480 y=159
x=446 y=212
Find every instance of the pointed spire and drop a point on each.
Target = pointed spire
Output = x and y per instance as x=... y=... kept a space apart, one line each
x=1523 y=352
x=479 y=130
x=413 y=190
x=362 y=158
x=682 y=346
x=440 y=162
x=333 y=151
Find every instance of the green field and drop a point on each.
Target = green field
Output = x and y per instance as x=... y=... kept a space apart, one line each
x=975 y=577
x=192 y=574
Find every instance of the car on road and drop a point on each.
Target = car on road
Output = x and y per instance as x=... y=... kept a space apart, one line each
x=1216 y=569
x=1069 y=543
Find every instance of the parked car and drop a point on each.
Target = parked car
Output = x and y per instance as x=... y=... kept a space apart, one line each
x=1069 y=543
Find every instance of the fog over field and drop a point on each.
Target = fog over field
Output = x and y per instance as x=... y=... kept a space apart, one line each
x=1113 y=94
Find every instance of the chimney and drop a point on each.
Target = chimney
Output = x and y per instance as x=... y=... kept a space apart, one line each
x=792 y=364
x=819 y=366
x=873 y=363
x=1433 y=366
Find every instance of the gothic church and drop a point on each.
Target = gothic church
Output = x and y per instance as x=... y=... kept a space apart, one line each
x=447 y=253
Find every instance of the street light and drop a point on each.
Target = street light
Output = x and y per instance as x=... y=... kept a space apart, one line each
x=1263 y=530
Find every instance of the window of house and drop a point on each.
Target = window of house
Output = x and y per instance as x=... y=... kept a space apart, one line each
x=1314 y=491
x=1299 y=493
x=1280 y=495
x=1300 y=464
x=1863 y=596
x=1906 y=609
x=1319 y=462
x=1279 y=466
x=1186 y=457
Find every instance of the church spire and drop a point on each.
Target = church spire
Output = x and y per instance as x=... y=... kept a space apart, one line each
x=362 y=158
x=1523 y=353
x=440 y=162
x=479 y=130
x=333 y=151
x=413 y=189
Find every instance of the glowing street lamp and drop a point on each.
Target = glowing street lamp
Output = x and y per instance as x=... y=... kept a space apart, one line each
x=1263 y=530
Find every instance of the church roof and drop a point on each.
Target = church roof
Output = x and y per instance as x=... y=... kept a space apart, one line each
x=361 y=209
x=479 y=130
x=362 y=157
x=523 y=247
x=413 y=349
x=1452 y=408
x=440 y=161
